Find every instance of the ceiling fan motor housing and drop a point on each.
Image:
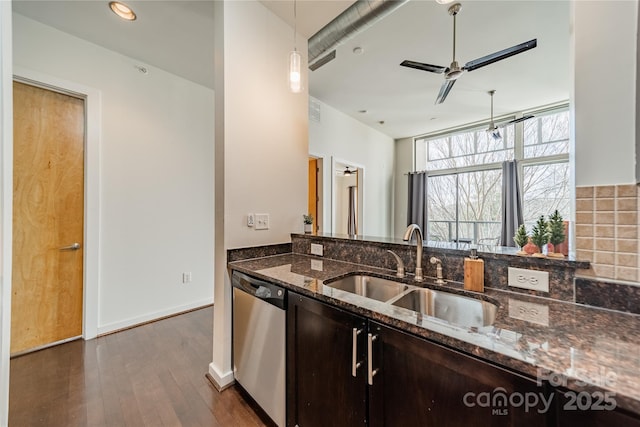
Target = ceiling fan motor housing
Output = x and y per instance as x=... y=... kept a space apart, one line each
x=453 y=72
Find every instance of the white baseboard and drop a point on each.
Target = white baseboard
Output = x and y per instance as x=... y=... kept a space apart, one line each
x=220 y=380
x=115 y=326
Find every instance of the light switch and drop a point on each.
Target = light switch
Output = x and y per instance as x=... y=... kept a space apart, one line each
x=262 y=221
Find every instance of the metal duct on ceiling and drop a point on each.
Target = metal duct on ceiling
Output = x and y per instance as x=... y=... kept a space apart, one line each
x=356 y=18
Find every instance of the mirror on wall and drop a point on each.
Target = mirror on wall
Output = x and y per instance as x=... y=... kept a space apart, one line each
x=367 y=84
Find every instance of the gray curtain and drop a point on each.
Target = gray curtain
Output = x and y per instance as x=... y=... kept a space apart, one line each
x=417 y=206
x=352 y=225
x=511 y=203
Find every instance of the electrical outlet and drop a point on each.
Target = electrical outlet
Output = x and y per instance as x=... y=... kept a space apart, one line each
x=251 y=220
x=317 y=249
x=316 y=264
x=529 y=279
x=262 y=221
x=186 y=277
x=529 y=311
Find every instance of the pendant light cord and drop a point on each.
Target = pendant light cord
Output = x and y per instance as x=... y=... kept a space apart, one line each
x=295 y=19
x=454 y=36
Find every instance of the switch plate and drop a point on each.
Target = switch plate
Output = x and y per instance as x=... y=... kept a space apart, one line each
x=262 y=221
x=529 y=279
x=251 y=220
x=529 y=311
x=317 y=249
x=186 y=277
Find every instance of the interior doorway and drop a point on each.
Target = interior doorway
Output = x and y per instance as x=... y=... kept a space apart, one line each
x=315 y=198
x=347 y=198
x=48 y=218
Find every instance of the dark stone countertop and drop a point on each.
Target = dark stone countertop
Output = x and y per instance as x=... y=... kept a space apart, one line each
x=580 y=347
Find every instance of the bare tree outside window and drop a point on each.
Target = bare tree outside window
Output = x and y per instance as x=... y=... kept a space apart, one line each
x=465 y=176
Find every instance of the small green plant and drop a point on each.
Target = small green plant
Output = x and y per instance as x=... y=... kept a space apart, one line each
x=540 y=233
x=521 y=238
x=308 y=219
x=556 y=228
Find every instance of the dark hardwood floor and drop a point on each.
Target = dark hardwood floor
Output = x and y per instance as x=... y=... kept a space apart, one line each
x=152 y=375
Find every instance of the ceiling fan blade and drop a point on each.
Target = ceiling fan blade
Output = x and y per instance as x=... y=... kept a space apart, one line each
x=424 y=67
x=500 y=55
x=444 y=91
x=519 y=119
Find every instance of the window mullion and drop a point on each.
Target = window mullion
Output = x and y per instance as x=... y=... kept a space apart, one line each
x=518 y=143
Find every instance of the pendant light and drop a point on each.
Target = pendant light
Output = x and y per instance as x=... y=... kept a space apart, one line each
x=295 y=75
x=493 y=131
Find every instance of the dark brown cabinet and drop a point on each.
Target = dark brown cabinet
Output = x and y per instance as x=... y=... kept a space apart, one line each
x=598 y=410
x=321 y=388
x=424 y=384
x=346 y=370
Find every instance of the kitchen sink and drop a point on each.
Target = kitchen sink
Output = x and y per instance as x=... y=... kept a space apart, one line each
x=452 y=308
x=369 y=286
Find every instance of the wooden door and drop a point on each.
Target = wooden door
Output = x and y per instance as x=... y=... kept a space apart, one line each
x=321 y=388
x=313 y=191
x=48 y=204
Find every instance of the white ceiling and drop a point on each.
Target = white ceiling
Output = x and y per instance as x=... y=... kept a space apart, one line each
x=177 y=36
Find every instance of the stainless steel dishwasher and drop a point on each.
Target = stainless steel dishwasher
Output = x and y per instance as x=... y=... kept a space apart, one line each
x=259 y=323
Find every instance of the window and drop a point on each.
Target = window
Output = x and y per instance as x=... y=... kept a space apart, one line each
x=464 y=170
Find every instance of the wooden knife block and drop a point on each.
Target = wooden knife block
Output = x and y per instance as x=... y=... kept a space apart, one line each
x=474 y=274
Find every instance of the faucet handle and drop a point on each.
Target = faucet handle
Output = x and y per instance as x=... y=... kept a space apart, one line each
x=400 y=272
x=435 y=260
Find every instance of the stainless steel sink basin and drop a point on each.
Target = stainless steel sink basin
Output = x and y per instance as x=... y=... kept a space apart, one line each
x=369 y=286
x=452 y=308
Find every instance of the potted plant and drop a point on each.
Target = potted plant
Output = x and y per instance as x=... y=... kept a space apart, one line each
x=308 y=223
x=556 y=234
x=521 y=239
x=540 y=235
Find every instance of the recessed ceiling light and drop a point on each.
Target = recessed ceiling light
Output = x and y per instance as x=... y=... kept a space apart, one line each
x=122 y=10
x=358 y=50
x=362 y=111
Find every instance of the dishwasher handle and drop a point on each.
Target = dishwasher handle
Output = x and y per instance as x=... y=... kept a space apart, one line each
x=261 y=289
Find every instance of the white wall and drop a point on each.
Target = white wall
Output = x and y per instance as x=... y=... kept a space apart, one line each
x=261 y=142
x=265 y=128
x=604 y=92
x=156 y=175
x=348 y=140
x=6 y=203
x=404 y=163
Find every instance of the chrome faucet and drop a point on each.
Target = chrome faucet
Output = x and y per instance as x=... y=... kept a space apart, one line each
x=400 y=268
x=438 y=263
x=407 y=236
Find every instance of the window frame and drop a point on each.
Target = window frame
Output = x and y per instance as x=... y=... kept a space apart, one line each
x=518 y=149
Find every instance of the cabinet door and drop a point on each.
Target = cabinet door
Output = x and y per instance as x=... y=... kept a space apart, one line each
x=420 y=383
x=321 y=390
x=586 y=409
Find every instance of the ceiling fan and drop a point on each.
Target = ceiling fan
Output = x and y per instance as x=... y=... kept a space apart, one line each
x=453 y=71
x=348 y=172
x=494 y=130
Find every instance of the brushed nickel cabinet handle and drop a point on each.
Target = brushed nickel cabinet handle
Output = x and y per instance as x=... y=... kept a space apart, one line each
x=354 y=351
x=371 y=372
x=71 y=247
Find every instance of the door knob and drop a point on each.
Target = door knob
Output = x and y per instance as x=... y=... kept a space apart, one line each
x=71 y=247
